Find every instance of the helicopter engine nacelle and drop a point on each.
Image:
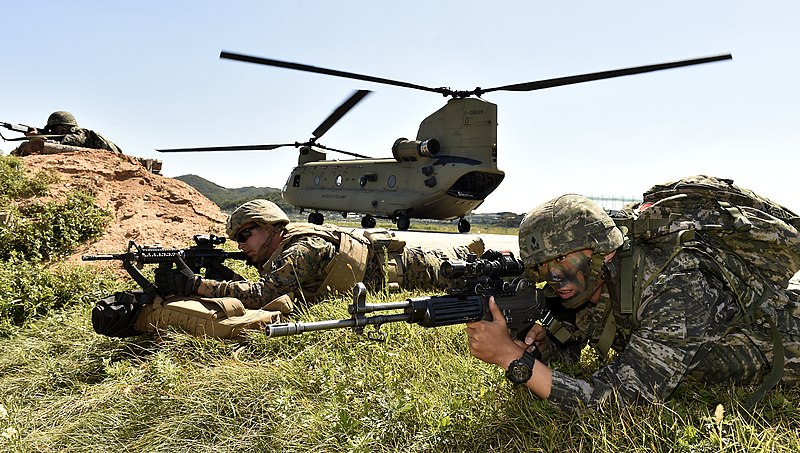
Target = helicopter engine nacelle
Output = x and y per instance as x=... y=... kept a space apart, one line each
x=409 y=150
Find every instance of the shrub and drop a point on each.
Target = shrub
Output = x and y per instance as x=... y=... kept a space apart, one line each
x=31 y=289
x=14 y=183
x=49 y=230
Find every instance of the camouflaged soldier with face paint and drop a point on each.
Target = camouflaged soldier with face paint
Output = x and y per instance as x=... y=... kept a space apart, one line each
x=687 y=325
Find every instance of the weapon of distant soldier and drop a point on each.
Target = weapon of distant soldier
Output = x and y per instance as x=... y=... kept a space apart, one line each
x=24 y=129
x=475 y=280
x=204 y=255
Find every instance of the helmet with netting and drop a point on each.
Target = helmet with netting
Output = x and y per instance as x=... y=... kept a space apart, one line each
x=261 y=212
x=61 y=118
x=564 y=225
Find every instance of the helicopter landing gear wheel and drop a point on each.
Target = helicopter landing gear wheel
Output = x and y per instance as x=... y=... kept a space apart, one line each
x=463 y=226
x=317 y=218
x=403 y=222
x=368 y=221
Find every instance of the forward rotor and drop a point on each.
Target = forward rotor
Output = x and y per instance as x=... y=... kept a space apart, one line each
x=526 y=86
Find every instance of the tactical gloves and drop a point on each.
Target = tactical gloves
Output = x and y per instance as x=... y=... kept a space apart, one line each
x=180 y=280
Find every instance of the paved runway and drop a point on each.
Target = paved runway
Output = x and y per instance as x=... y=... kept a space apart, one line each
x=430 y=239
x=491 y=241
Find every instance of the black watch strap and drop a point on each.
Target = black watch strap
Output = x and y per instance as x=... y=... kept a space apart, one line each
x=529 y=358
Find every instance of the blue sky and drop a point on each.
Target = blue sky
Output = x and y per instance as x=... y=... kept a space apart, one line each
x=147 y=75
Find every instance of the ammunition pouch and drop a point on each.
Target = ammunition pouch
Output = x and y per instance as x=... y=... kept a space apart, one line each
x=346 y=268
x=388 y=252
x=219 y=317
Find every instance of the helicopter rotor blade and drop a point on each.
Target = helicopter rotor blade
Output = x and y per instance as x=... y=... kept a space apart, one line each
x=550 y=83
x=340 y=111
x=227 y=148
x=343 y=152
x=333 y=72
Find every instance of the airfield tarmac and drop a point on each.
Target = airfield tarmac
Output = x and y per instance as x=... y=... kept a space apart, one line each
x=439 y=239
x=491 y=241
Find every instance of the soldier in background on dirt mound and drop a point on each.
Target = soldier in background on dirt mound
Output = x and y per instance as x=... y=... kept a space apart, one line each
x=64 y=123
x=299 y=263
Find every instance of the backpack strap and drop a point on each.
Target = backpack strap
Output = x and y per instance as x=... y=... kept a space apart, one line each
x=778 y=361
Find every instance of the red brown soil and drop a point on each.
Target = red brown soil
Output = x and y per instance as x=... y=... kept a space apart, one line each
x=146 y=207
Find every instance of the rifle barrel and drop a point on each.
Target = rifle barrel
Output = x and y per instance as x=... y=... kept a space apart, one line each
x=296 y=328
x=108 y=256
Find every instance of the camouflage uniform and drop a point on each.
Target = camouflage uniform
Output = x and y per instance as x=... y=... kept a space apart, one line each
x=687 y=329
x=682 y=335
x=307 y=263
x=87 y=138
x=300 y=268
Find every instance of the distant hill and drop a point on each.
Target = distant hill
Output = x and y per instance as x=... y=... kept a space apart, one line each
x=229 y=199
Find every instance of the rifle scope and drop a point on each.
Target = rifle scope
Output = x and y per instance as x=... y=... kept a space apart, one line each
x=493 y=264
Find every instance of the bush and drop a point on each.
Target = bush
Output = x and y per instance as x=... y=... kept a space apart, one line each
x=14 y=183
x=29 y=289
x=50 y=230
x=30 y=285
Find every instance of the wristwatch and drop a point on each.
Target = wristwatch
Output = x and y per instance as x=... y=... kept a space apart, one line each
x=521 y=369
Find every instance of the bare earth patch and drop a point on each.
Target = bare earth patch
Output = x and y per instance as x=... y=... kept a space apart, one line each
x=146 y=207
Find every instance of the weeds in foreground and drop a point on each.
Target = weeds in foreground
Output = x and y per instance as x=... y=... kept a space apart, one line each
x=65 y=388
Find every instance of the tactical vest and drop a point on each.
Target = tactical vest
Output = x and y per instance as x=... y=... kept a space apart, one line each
x=343 y=271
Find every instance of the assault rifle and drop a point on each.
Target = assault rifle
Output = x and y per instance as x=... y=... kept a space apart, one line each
x=202 y=255
x=475 y=280
x=24 y=129
x=21 y=128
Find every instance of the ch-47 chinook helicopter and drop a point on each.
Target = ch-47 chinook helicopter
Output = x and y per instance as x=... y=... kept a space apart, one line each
x=445 y=173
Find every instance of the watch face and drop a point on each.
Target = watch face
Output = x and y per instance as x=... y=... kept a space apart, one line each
x=518 y=372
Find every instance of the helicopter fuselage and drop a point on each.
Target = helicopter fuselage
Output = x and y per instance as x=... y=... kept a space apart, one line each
x=445 y=173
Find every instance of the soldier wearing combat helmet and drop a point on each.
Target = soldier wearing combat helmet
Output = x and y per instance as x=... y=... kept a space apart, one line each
x=65 y=128
x=674 y=325
x=300 y=263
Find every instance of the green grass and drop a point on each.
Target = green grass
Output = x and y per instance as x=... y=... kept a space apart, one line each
x=63 y=388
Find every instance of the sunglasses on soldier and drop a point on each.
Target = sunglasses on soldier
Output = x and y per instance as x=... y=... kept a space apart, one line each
x=244 y=234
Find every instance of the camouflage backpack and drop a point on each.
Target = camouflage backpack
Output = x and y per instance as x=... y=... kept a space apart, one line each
x=725 y=217
x=752 y=241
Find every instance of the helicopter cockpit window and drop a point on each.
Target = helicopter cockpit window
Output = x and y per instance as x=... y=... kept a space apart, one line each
x=392 y=181
x=316 y=180
x=338 y=180
x=296 y=181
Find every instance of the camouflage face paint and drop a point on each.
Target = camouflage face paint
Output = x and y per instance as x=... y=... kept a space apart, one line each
x=568 y=275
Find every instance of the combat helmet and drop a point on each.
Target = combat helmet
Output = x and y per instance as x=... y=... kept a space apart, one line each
x=563 y=225
x=262 y=212
x=61 y=118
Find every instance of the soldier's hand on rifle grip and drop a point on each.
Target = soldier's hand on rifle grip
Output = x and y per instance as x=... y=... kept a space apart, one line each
x=490 y=341
x=180 y=280
x=536 y=338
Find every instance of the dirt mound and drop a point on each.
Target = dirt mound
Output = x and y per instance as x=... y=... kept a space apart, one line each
x=146 y=207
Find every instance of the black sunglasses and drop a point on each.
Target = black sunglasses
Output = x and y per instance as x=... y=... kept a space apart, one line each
x=245 y=234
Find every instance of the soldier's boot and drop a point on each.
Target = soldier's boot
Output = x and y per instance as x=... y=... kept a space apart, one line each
x=476 y=246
